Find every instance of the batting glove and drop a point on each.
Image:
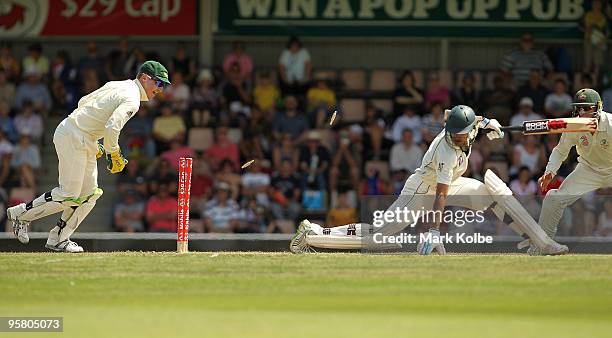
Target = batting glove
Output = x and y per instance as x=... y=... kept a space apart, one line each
x=494 y=127
x=432 y=241
x=115 y=162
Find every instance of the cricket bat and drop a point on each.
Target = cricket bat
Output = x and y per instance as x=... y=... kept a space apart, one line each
x=555 y=126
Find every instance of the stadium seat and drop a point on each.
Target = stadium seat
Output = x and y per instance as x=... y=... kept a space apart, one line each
x=325 y=74
x=200 y=138
x=354 y=80
x=234 y=134
x=381 y=166
x=382 y=81
x=477 y=80
x=383 y=104
x=352 y=110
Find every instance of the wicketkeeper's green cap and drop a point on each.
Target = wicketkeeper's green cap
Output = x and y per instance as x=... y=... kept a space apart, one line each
x=155 y=69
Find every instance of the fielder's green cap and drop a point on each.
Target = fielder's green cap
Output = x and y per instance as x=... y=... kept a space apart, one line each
x=156 y=70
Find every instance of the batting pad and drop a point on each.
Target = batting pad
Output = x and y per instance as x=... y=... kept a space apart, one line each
x=335 y=242
x=522 y=220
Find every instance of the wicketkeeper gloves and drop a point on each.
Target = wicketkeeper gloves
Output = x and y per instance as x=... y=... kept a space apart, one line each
x=116 y=162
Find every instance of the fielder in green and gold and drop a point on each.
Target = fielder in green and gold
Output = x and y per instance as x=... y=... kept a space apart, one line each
x=594 y=169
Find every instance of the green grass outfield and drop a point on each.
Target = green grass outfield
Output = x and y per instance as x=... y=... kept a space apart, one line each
x=317 y=295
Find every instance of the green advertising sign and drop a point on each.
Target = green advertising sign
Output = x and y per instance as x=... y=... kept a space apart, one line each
x=419 y=18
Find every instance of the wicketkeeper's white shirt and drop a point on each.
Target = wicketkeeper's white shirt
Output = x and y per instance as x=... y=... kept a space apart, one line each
x=104 y=112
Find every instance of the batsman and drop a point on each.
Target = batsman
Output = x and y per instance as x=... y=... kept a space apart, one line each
x=594 y=168
x=99 y=115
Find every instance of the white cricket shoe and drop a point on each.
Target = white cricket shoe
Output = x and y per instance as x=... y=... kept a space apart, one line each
x=298 y=242
x=20 y=228
x=65 y=246
x=552 y=249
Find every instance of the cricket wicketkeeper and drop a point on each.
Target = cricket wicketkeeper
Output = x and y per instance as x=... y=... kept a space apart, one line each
x=101 y=114
x=594 y=169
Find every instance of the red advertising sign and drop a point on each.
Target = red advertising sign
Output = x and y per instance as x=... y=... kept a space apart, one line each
x=98 y=17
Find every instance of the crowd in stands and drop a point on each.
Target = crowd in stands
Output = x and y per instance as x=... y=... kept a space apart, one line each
x=280 y=118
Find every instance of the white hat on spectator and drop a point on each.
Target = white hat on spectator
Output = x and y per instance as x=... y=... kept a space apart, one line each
x=205 y=74
x=356 y=129
x=526 y=101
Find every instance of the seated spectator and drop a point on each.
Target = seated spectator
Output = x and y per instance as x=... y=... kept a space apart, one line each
x=161 y=211
x=222 y=149
x=372 y=184
x=408 y=95
x=518 y=64
x=524 y=184
x=559 y=102
x=374 y=134
x=36 y=61
x=129 y=213
x=501 y=101
x=285 y=150
x=405 y=155
x=182 y=63
x=26 y=161
x=177 y=150
x=253 y=218
x=6 y=153
x=117 y=59
x=254 y=142
x=433 y=123
x=294 y=67
x=227 y=173
x=525 y=112
x=204 y=99
x=238 y=55
x=7 y=90
x=285 y=193
x=92 y=61
x=33 y=90
x=221 y=214
x=235 y=89
x=606 y=95
x=529 y=153
x=133 y=62
x=137 y=135
x=535 y=91
x=201 y=182
x=266 y=94
x=9 y=63
x=132 y=179
x=346 y=161
x=292 y=121
x=255 y=183
x=90 y=81
x=168 y=127
x=321 y=100
x=164 y=174
x=314 y=162
x=604 y=227
x=64 y=77
x=178 y=94
x=7 y=124
x=29 y=123
x=409 y=120
x=398 y=180
x=436 y=92
x=342 y=213
x=596 y=32
x=467 y=94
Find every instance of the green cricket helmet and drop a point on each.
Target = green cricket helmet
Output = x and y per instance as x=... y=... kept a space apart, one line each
x=587 y=99
x=461 y=120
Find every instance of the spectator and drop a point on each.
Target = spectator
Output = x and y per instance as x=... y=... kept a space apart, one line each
x=222 y=149
x=433 y=123
x=374 y=134
x=136 y=58
x=222 y=213
x=92 y=61
x=117 y=60
x=137 y=135
x=314 y=162
x=518 y=64
x=227 y=173
x=604 y=227
x=501 y=100
x=129 y=214
x=255 y=142
x=559 y=102
x=467 y=94
x=33 y=90
x=182 y=63
x=595 y=38
x=266 y=94
x=235 y=95
x=6 y=122
x=201 y=183
x=36 y=61
x=164 y=174
x=342 y=213
x=244 y=60
x=132 y=179
x=436 y=92
x=405 y=155
x=285 y=150
x=291 y=122
x=63 y=82
x=161 y=211
x=524 y=185
x=606 y=95
x=285 y=192
x=346 y=162
x=320 y=101
x=6 y=153
x=294 y=68
x=205 y=99
x=409 y=120
x=408 y=95
x=525 y=112
x=582 y=221
x=372 y=184
x=534 y=90
x=7 y=90
x=255 y=183
x=168 y=127
x=9 y=63
x=529 y=153
x=178 y=93
x=29 y=123
x=252 y=218
x=26 y=161
x=89 y=82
